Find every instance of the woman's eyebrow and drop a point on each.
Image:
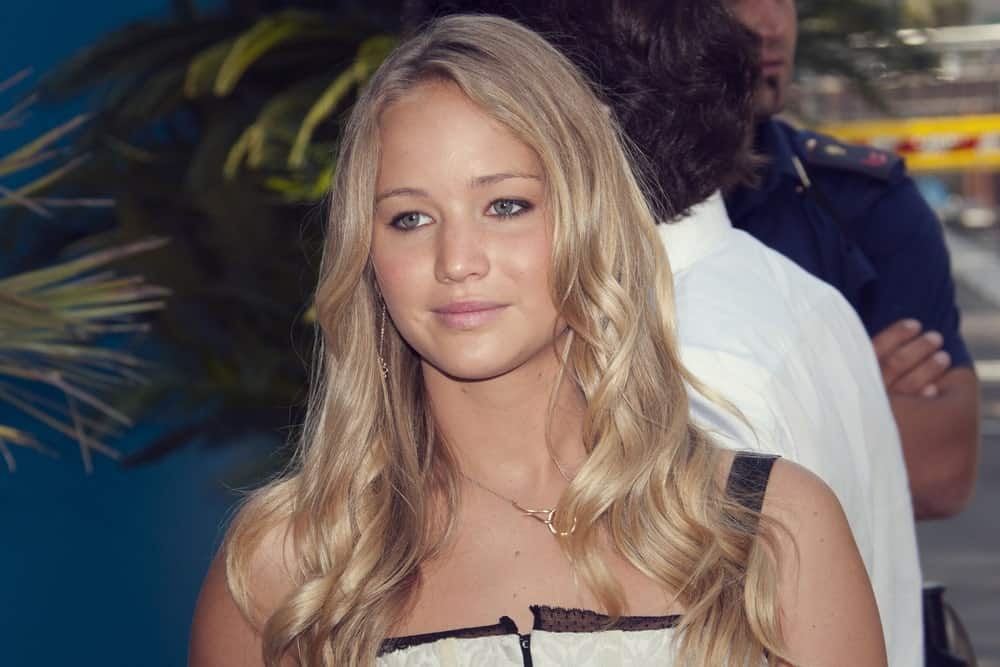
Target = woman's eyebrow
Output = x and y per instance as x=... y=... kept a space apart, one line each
x=477 y=182
x=490 y=179
x=401 y=192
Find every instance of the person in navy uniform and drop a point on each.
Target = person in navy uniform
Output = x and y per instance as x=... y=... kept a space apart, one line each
x=851 y=216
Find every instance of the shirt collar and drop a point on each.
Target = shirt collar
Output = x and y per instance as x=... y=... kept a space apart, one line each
x=694 y=235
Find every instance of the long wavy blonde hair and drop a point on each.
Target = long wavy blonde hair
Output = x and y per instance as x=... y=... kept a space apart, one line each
x=360 y=509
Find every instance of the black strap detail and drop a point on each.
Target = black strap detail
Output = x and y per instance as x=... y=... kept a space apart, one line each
x=525 y=641
x=546 y=618
x=505 y=626
x=816 y=194
x=562 y=619
x=748 y=478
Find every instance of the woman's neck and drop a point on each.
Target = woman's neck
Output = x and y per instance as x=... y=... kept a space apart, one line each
x=497 y=428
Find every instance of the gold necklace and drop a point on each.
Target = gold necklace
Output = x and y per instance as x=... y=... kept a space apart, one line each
x=555 y=459
x=546 y=516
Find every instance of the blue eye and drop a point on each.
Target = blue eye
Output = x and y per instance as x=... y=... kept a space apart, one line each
x=508 y=208
x=410 y=220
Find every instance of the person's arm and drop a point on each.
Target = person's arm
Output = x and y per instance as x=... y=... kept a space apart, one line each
x=940 y=435
x=911 y=360
x=828 y=611
x=936 y=408
x=221 y=636
x=927 y=369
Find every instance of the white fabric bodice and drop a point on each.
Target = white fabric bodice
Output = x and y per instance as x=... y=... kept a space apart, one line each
x=560 y=638
x=610 y=648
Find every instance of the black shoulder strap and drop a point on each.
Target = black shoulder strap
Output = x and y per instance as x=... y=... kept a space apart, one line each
x=818 y=196
x=748 y=478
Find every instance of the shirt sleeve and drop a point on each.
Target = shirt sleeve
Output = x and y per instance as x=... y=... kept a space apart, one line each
x=901 y=236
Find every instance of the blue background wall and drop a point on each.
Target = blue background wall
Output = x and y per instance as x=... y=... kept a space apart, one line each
x=99 y=570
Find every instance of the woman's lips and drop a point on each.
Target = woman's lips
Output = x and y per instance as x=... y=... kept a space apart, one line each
x=468 y=314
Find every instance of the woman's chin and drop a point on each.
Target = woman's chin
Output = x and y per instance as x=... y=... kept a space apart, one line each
x=473 y=370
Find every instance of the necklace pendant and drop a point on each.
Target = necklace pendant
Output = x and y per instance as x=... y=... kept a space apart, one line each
x=548 y=517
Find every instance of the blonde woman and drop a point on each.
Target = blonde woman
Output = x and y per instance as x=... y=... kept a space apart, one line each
x=499 y=425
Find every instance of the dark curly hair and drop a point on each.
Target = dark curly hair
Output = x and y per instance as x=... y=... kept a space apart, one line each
x=679 y=75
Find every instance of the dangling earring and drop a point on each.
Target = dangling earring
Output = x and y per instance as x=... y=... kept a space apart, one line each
x=381 y=341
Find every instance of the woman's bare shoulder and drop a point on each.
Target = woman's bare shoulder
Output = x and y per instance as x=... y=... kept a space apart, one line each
x=795 y=494
x=223 y=634
x=829 y=616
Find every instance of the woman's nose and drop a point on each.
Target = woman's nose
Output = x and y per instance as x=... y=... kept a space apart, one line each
x=461 y=251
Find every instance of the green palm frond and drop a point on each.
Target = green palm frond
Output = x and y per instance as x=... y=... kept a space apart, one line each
x=303 y=189
x=203 y=71
x=370 y=55
x=276 y=123
x=288 y=125
x=194 y=134
x=34 y=154
x=49 y=320
x=265 y=35
x=52 y=317
x=125 y=54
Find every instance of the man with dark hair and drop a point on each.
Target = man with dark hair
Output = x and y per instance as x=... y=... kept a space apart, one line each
x=782 y=346
x=852 y=217
x=633 y=63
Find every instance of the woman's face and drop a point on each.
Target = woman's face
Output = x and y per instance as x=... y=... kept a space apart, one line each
x=462 y=237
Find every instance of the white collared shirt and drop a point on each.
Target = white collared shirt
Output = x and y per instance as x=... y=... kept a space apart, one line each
x=791 y=354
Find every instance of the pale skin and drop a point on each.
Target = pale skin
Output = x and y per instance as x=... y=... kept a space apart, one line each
x=935 y=405
x=490 y=377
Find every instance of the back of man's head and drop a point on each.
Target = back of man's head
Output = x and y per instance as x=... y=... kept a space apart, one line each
x=679 y=75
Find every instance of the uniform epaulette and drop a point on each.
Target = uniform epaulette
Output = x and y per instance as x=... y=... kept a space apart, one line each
x=825 y=151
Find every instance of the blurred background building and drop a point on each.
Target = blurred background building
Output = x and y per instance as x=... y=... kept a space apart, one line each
x=929 y=89
x=944 y=117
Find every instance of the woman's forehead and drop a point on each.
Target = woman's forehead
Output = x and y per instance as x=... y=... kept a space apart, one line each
x=436 y=132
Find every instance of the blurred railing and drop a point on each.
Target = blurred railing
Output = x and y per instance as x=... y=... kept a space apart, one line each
x=941 y=143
